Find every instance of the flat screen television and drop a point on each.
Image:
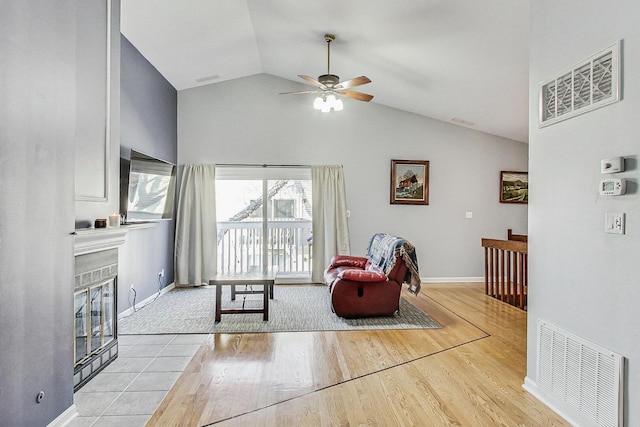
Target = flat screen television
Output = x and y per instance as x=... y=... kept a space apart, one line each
x=147 y=188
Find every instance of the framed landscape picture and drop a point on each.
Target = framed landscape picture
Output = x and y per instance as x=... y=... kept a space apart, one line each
x=514 y=187
x=409 y=182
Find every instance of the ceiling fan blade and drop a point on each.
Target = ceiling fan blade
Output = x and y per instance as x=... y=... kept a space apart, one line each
x=313 y=81
x=362 y=80
x=299 y=92
x=355 y=95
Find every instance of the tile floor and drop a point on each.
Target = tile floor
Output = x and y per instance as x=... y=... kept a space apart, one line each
x=128 y=391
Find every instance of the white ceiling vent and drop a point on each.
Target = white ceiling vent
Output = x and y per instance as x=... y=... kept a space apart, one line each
x=590 y=84
x=581 y=374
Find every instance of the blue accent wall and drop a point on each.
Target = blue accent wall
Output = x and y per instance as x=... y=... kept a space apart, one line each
x=148 y=124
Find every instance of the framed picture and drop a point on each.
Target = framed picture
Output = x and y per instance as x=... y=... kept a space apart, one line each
x=514 y=187
x=409 y=182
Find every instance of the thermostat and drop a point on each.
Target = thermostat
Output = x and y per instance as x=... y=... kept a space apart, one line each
x=612 y=187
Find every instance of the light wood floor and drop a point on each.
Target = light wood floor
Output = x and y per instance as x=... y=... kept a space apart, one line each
x=468 y=373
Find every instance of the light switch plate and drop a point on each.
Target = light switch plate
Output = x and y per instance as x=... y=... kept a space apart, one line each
x=614 y=222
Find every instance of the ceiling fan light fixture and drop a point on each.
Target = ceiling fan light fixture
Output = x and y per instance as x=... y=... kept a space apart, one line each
x=326 y=103
x=317 y=103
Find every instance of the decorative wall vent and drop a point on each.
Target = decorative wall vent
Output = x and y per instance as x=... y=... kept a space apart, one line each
x=590 y=84
x=581 y=374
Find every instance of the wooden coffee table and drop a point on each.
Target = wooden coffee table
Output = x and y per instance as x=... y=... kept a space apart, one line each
x=265 y=280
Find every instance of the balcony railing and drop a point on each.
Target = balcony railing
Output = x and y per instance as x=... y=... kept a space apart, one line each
x=241 y=247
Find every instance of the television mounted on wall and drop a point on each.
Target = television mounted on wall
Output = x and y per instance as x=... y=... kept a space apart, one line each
x=147 y=188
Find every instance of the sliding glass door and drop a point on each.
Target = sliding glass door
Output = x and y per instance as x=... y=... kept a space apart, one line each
x=264 y=220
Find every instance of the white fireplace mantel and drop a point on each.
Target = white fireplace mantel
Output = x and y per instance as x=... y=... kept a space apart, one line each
x=99 y=239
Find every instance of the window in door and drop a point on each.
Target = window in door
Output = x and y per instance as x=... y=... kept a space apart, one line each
x=264 y=220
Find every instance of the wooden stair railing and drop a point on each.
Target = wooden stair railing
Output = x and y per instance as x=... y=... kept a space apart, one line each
x=518 y=237
x=505 y=271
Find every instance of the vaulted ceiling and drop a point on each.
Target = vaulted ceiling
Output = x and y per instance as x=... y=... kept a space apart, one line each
x=463 y=61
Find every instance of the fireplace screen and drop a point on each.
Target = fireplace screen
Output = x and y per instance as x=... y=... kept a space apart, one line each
x=95 y=315
x=94 y=319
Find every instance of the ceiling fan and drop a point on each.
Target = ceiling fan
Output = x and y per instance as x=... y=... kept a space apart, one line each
x=329 y=85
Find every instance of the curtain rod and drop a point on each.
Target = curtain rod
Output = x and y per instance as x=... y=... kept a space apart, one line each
x=248 y=165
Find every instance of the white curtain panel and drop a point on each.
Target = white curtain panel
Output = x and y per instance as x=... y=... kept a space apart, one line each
x=196 y=243
x=330 y=227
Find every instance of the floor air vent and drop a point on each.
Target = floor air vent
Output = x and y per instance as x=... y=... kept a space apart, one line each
x=581 y=374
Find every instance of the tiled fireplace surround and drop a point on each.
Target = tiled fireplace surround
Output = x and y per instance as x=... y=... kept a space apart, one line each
x=95 y=311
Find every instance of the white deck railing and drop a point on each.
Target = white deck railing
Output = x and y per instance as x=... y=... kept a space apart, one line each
x=241 y=250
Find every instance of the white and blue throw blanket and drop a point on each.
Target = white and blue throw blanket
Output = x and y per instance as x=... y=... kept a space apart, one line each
x=383 y=251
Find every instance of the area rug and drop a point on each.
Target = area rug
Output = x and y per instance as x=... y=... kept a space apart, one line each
x=295 y=308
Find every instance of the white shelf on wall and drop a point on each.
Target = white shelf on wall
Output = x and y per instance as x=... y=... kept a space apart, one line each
x=139 y=225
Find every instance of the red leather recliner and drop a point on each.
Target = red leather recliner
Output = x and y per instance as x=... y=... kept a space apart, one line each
x=360 y=288
x=371 y=286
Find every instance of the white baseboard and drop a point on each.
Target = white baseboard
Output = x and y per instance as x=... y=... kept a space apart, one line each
x=568 y=414
x=64 y=418
x=129 y=311
x=452 y=279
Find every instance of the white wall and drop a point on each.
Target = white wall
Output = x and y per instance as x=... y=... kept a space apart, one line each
x=581 y=279
x=246 y=121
